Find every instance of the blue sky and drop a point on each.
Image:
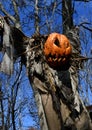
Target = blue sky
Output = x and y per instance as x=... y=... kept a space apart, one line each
x=83 y=12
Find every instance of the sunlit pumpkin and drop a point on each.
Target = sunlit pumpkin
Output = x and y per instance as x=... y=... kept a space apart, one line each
x=57 y=50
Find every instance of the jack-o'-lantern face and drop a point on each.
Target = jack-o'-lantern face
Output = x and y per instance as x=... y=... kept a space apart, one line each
x=57 y=50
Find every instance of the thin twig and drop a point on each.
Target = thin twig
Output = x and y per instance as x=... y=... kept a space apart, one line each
x=83 y=58
x=29 y=50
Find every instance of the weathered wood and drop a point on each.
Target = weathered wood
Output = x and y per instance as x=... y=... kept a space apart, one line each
x=58 y=92
x=13 y=43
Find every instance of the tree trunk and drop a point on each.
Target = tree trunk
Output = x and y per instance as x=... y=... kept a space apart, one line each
x=37 y=27
x=2 y=115
x=56 y=92
x=67 y=15
x=58 y=101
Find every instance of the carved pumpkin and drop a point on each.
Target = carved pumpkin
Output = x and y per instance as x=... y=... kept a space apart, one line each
x=57 y=50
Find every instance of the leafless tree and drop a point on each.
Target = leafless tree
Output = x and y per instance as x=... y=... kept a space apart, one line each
x=55 y=91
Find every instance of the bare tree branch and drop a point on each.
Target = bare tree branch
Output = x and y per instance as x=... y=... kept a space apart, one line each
x=83 y=25
x=16 y=19
x=6 y=13
x=37 y=29
x=15 y=6
x=89 y=29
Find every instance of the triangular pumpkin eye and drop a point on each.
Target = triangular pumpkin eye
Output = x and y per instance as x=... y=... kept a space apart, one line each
x=57 y=43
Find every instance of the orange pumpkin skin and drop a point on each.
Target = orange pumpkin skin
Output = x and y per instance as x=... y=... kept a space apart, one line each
x=57 y=50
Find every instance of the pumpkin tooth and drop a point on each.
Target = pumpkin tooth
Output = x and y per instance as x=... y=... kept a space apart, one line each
x=63 y=59
x=59 y=59
x=49 y=59
x=54 y=59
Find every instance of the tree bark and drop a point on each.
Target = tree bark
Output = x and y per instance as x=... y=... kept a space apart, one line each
x=67 y=15
x=56 y=92
x=58 y=101
x=60 y=105
x=37 y=27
